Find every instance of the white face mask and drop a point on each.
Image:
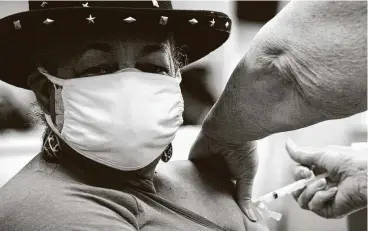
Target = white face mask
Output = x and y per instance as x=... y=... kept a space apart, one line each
x=123 y=120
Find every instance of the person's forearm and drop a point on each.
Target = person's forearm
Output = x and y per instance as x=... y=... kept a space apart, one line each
x=306 y=65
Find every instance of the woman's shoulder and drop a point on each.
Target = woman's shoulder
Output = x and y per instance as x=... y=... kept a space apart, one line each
x=38 y=199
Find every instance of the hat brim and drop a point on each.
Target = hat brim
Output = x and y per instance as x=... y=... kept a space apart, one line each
x=197 y=33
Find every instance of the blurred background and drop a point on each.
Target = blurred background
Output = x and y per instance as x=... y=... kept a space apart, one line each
x=203 y=83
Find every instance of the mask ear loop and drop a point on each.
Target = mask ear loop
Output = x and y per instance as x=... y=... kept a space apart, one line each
x=51 y=145
x=55 y=87
x=52 y=79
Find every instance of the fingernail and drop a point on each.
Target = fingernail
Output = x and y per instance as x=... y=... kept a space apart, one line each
x=251 y=215
x=306 y=173
x=322 y=182
x=310 y=206
x=332 y=190
x=291 y=145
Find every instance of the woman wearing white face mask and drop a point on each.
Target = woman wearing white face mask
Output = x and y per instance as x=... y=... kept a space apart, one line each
x=110 y=95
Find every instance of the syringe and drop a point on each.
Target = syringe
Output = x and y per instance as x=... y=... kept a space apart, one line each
x=288 y=189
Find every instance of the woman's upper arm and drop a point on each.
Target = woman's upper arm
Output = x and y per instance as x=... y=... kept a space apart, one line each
x=43 y=202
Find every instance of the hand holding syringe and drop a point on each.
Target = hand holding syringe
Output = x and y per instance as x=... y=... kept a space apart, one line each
x=286 y=190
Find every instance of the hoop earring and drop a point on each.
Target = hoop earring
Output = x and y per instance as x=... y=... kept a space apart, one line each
x=51 y=147
x=167 y=154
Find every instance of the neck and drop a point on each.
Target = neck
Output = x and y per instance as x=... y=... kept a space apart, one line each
x=97 y=174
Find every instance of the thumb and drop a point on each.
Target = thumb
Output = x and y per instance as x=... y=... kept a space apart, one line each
x=305 y=157
x=243 y=198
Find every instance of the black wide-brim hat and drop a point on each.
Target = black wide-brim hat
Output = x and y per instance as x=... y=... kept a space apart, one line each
x=195 y=32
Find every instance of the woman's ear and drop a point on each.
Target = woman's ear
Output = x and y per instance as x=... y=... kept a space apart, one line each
x=40 y=85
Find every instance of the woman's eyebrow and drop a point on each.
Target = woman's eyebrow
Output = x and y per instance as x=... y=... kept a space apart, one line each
x=97 y=46
x=153 y=48
x=92 y=54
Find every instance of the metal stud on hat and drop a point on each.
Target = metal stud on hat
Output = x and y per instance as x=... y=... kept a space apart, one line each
x=227 y=24
x=91 y=19
x=85 y=4
x=212 y=22
x=193 y=21
x=48 y=21
x=163 y=20
x=43 y=4
x=129 y=20
x=17 y=25
x=155 y=3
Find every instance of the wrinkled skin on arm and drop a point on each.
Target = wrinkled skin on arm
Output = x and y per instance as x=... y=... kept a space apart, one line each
x=306 y=65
